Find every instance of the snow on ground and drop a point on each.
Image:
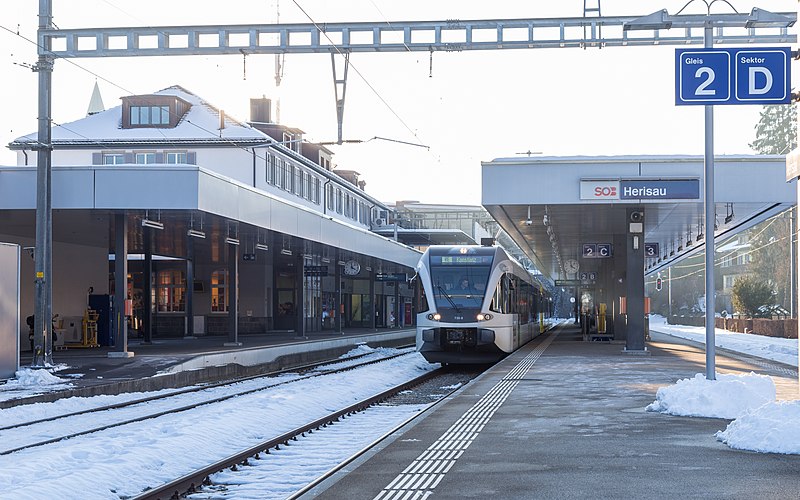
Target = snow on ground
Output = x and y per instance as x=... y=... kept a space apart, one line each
x=760 y=422
x=99 y=465
x=775 y=349
x=30 y=382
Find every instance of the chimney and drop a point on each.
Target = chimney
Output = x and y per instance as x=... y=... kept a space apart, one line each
x=260 y=110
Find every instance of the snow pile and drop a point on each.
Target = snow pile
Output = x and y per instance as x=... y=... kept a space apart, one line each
x=771 y=428
x=761 y=424
x=28 y=378
x=727 y=397
x=30 y=382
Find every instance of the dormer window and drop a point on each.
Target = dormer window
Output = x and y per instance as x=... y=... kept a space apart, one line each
x=149 y=115
x=153 y=111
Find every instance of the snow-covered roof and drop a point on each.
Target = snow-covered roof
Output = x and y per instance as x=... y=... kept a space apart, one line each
x=199 y=125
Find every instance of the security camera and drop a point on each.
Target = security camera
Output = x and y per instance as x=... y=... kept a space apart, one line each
x=30 y=250
x=528 y=222
x=637 y=216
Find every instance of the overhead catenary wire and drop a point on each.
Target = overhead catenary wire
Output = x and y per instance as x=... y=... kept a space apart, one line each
x=215 y=133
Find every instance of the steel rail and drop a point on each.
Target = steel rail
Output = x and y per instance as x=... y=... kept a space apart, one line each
x=190 y=482
x=190 y=390
x=193 y=406
x=305 y=489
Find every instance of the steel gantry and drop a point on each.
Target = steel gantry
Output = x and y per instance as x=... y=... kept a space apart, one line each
x=339 y=40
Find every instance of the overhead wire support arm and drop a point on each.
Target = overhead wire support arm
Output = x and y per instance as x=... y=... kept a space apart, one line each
x=413 y=36
x=340 y=89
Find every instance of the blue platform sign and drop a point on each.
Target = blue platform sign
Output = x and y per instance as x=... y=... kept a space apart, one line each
x=732 y=76
x=659 y=189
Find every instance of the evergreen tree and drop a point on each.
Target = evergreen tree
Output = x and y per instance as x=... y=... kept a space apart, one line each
x=776 y=131
x=749 y=294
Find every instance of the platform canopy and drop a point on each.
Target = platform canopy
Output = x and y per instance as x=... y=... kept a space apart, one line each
x=559 y=208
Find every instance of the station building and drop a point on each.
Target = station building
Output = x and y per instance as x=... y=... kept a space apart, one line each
x=206 y=211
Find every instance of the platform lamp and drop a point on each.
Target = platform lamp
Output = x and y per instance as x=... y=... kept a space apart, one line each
x=153 y=224
x=729 y=216
x=232 y=240
x=195 y=233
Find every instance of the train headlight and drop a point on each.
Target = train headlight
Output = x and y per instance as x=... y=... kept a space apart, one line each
x=483 y=317
x=435 y=316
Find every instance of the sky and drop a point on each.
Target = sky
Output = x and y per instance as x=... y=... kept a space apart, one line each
x=468 y=107
x=758 y=422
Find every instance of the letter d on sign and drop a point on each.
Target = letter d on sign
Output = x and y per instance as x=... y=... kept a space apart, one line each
x=751 y=80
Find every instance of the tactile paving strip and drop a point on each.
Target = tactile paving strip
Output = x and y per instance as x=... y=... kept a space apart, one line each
x=421 y=477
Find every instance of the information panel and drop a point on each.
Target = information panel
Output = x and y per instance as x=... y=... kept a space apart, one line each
x=733 y=76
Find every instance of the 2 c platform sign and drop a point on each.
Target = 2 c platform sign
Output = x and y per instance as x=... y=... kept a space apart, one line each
x=732 y=76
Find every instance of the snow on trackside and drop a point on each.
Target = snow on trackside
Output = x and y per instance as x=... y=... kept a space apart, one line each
x=99 y=465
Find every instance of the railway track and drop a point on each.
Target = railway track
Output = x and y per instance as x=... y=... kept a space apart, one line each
x=196 y=481
x=172 y=402
x=124 y=461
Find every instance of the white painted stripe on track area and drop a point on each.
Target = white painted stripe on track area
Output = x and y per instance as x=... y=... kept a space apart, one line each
x=420 y=478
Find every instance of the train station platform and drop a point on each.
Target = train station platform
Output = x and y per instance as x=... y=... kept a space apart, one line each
x=177 y=362
x=564 y=418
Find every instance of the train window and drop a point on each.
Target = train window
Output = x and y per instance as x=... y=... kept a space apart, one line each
x=419 y=293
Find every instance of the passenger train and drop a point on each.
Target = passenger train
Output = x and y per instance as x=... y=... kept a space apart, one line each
x=476 y=304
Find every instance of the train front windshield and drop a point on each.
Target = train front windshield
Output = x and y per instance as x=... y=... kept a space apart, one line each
x=459 y=281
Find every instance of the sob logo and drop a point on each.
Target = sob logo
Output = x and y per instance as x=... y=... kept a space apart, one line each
x=600 y=189
x=605 y=192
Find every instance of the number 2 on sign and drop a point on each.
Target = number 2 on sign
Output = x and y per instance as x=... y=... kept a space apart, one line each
x=703 y=89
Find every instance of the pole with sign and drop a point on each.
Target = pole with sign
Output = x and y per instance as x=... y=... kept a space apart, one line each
x=731 y=76
x=725 y=76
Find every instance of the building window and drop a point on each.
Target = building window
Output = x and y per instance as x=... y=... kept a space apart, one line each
x=331 y=199
x=219 y=291
x=176 y=158
x=171 y=290
x=316 y=191
x=288 y=177
x=339 y=201
x=113 y=158
x=149 y=115
x=268 y=168
x=299 y=185
x=278 y=177
x=145 y=158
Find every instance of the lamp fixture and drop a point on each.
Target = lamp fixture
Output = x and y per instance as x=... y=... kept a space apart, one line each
x=262 y=246
x=680 y=244
x=545 y=217
x=729 y=216
x=689 y=238
x=528 y=221
x=153 y=224
x=286 y=251
x=231 y=241
x=195 y=233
